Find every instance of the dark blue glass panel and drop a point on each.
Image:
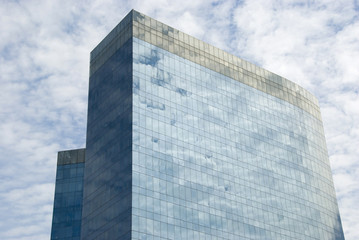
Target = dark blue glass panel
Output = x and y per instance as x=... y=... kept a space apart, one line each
x=66 y=223
x=107 y=181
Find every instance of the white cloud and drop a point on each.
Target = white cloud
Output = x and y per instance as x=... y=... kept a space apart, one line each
x=45 y=48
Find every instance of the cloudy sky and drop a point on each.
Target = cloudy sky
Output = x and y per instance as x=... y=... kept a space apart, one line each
x=44 y=65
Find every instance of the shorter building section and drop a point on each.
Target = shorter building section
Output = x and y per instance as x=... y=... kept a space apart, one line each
x=66 y=221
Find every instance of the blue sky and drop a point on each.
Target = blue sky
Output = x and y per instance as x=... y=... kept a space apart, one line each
x=44 y=65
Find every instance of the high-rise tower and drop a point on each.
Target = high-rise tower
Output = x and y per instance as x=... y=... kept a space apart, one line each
x=186 y=141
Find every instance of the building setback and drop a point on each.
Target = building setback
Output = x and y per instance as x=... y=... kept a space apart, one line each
x=66 y=219
x=186 y=141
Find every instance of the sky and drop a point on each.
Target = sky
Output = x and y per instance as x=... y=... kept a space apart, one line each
x=44 y=70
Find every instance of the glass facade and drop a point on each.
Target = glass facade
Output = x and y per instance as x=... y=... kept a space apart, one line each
x=66 y=221
x=107 y=182
x=186 y=141
x=214 y=158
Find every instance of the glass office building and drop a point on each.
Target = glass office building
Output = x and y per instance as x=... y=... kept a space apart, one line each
x=66 y=219
x=186 y=141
